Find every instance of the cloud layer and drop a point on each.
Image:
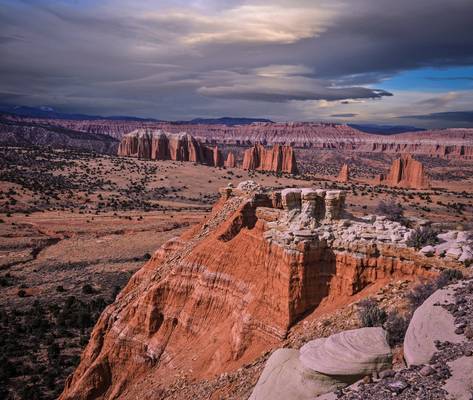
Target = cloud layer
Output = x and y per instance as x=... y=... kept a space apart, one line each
x=300 y=59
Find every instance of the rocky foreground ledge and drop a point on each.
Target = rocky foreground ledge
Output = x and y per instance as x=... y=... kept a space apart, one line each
x=229 y=290
x=438 y=349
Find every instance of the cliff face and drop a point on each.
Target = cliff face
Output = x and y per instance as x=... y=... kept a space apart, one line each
x=447 y=143
x=42 y=135
x=160 y=145
x=407 y=173
x=278 y=159
x=228 y=290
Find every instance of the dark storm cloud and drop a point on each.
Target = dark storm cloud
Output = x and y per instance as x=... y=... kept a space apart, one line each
x=174 y=61
x=381 y=36
x=453 y=116
x=277 y=96
x=348 y=115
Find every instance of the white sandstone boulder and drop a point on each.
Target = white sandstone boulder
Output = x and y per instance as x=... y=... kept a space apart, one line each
x=427 y=251
x=429 y=323
x=460 y=384
x=354 y=353
x=285 y=378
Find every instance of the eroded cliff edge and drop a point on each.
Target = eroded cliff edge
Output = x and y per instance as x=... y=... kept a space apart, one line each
x=229 y=289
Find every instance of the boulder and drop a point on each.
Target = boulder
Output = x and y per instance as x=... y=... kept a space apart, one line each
x=429 y=323
x=352 y=354
x=454 y=252
x=427 y=251
x=285 y=378
x=466 y=256
x=460 y=383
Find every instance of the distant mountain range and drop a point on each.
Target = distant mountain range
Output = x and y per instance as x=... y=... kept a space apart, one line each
x=48 y=112
x=51 y=113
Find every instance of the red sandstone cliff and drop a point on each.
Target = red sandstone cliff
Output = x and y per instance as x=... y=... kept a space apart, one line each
x=278 y=159
x=230 y=161
x=344 y=175
x=407 y=173
x=160 y=145
x=448 y=143
x=221 y=295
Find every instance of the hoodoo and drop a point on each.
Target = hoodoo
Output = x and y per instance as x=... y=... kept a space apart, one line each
x=217 y=157
x=152 y=144
x=278 y=159
x=344 y=175
x=407 y=173
x=230 y=289
x=230 y=161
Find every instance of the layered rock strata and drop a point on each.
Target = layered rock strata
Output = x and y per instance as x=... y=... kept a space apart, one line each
x=277 y=159
x=455 y=245
x=160 y=145
x=448 y=143
x=229 y=289
x=323 y=365
x=407 y=173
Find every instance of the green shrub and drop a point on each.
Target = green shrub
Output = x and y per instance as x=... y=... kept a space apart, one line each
x=447 y=276
x=370 y=314
x=420 y=293
x=396 y=326
x=422 y=237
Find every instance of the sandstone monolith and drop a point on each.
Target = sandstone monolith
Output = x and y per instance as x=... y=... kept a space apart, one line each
x=277 y=159
x=406 y=173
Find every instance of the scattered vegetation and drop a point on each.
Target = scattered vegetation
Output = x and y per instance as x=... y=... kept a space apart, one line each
x=370 y=313
x=391 y=210
x=40 y=344
x=422 y=236
x=422 y=291
x=396 y=326
x=396 y=323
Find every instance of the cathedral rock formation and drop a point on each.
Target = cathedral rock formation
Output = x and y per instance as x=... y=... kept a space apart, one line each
x=217 y=157
x=278 y=159
x=228 y=290
x=157 y=144
x=230 y=161
x=344 y=175
x=407 y=173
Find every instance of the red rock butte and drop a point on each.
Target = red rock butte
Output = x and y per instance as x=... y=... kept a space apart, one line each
x=229 y=289
x=152 y=144
x=406 y=173
x=277 y=159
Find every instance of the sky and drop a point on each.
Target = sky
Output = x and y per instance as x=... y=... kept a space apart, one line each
x=400 y=62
